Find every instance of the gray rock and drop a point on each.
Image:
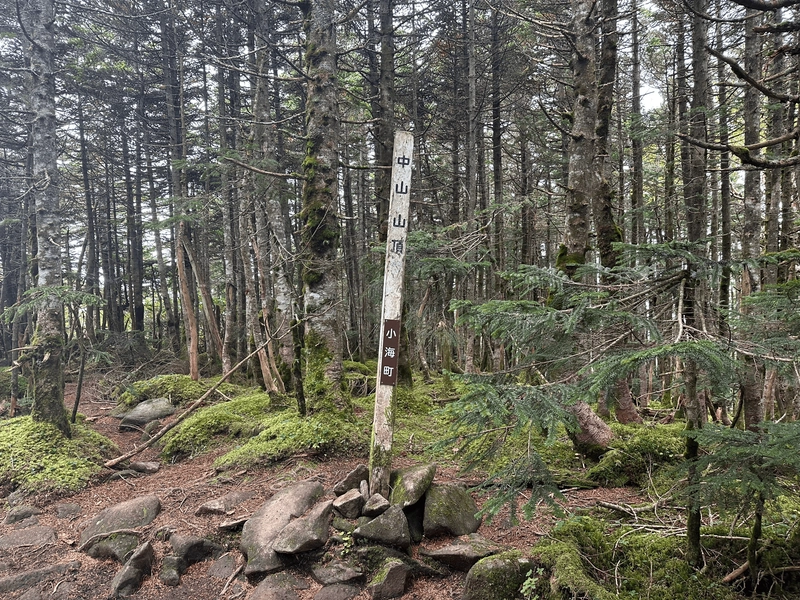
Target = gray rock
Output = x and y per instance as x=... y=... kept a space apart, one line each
x=449 y=510
x=193 y=549
x=334 y=572
x=124 y=475
x=128 y=580
x=145 y=412
x=391 y=528
x=499 y=576
x=29 y=579
x=278 y=586
x=464 y=552
x=308 y=532
x=352 y=480
x=145 y=467
x=20 y=513
x=223 y=567
x=349 y=504
x=172 y=567
x=130 y=514
x=363 y=487
x=342 y=524
x=224 y=504
x=32 y=536
x=267 y=522
x=25 y=523
x=376 y=555
x=233 y=524
x=376 y=505
x=63 y=590
x=337 y=591
x=390 y=580
x=409 y=485
x=68 y=510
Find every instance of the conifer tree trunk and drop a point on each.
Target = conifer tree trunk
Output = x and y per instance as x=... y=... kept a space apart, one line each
x=44 y=359
x=751 y=388
x=321 y=228
x=583 y=182
x=695 y=202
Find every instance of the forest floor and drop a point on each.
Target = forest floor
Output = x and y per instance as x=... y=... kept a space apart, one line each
x=184 y=486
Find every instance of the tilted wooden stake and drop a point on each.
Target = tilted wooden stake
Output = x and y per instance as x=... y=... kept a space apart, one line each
x=380 y=458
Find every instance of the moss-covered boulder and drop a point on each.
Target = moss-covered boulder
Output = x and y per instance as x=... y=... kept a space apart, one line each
x=409 y=485
x=449 y=510
x=498 y=577
x=101 y=538
x=390 y=580
x=391 y=529
x=579 y=555
x=179 y=389
x=638 y=450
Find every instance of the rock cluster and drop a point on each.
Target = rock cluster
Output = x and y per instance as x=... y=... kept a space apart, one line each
x=346 y=540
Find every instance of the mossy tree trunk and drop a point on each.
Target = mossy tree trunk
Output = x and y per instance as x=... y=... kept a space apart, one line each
x=583 y=183
x=321 y=228
x=44 y=360
x=694 y=191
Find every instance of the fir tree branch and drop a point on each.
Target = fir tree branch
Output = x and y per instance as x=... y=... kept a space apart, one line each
x=766 y=5
x=745 y=76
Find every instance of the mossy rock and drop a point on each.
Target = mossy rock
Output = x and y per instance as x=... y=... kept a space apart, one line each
x=498 y=577
x=360 y=379
x=36 y=458
x=562 y=555
x=636 y=452
x=286 y=433
x=207 y=428
x=180 y=389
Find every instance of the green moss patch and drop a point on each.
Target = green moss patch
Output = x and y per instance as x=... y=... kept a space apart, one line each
x=286 y=433
x=636 y=452
x=270 y=431
x=586 y=558
x=237 y=418
x=5 y=383
x=180 y=389
x=36 y=458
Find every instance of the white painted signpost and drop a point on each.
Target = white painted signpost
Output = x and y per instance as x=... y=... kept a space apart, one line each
x=380 y=459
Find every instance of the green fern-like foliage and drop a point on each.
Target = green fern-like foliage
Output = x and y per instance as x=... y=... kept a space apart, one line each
x=490 y=418
x=569 y=339
x=739 y=466
x=711 y=358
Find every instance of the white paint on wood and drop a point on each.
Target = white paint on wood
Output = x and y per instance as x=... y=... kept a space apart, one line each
x=382 y=424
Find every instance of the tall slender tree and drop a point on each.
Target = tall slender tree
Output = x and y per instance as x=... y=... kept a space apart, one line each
x=44 y=359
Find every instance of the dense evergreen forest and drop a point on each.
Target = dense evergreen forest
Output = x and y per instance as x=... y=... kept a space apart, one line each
x=604 y=206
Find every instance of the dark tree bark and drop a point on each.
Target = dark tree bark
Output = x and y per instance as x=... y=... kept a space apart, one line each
x=695 y=203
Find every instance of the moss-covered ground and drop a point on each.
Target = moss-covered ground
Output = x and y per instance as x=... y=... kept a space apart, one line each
x=592 y=553
x=36 y=458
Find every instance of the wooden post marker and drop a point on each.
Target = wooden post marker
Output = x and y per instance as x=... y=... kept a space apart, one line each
x=380 y=457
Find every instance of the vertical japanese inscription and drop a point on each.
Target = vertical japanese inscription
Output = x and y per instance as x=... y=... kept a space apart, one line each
x=395 y=258
x=389 y=347
x=391 y=351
